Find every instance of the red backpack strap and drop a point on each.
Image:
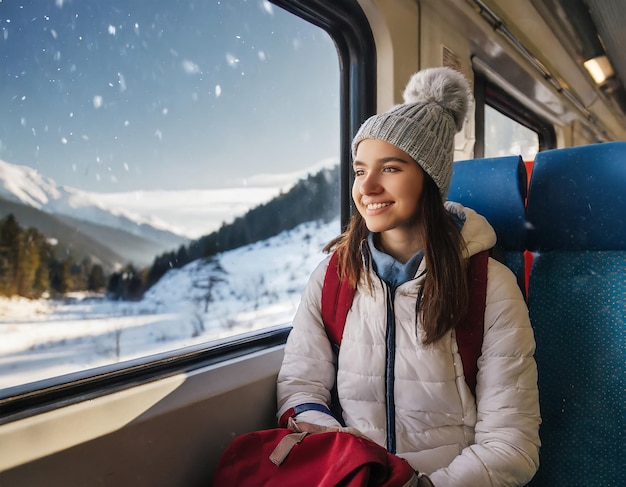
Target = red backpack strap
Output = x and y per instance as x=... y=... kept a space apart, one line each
x=336 y=301
x=469 y=333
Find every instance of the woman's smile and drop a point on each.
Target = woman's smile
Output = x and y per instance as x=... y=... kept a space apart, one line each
x=373 y=208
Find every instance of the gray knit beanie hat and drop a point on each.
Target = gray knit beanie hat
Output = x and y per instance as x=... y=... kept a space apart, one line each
x=434 y=109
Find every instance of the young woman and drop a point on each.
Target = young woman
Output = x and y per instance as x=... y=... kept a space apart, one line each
x=398 y=372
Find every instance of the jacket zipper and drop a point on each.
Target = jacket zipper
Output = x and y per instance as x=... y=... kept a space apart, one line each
x=390 y=366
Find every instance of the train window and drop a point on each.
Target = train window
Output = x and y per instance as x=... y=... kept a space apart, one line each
x=168 y=176
x=504 y=136
x=504 y=126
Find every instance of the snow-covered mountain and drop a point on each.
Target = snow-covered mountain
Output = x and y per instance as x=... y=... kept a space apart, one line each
x=133 y=226
x=188 y=213
x=27 y=186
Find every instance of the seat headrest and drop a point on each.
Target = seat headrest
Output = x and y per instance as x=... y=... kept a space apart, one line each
x=495 y=188
x=577 y=198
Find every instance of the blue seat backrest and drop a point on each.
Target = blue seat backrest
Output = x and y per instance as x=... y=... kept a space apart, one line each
x=496 y=188
x=577 y=300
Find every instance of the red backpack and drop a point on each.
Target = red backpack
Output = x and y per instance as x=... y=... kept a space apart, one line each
x=337 y=298
x=280 y=457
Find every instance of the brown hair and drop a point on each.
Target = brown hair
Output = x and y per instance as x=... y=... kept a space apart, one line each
x=445 y=296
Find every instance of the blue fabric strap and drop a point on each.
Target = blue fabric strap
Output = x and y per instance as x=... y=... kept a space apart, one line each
x=311 y=406
x=300 y=408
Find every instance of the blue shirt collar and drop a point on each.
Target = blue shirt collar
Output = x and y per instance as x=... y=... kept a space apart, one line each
x=390 y=270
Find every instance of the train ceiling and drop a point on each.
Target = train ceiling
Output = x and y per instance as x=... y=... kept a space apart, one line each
x=593 y=28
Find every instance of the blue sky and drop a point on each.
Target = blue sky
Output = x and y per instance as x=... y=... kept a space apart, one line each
x=121 y=95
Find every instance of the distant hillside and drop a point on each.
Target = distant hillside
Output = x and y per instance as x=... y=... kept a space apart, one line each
x=134 y=249
x=79 y=239
x=314 y=199
x=310 y=199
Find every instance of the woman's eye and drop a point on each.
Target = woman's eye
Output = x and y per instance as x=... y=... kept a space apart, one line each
x=390 y=169
x=358 y=172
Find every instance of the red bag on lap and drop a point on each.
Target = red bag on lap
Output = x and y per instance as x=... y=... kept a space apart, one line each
x=280 y=457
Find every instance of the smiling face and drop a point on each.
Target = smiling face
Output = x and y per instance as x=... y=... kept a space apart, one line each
x=387 y=189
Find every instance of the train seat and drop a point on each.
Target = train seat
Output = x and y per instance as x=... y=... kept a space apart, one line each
x=577 y=300
x=496 y=188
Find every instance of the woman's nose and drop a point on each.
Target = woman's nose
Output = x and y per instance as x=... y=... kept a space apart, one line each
x=369 y=184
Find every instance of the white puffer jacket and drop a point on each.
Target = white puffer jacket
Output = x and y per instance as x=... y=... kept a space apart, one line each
x=440 y=428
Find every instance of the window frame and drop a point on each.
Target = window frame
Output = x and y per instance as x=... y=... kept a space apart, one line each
x=348 y=27
x=489 y=94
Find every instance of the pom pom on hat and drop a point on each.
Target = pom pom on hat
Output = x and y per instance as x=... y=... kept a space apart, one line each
x=436 y=102
x=443 y=86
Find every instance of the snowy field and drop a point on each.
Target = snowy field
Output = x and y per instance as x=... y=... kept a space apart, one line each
x=245 y=289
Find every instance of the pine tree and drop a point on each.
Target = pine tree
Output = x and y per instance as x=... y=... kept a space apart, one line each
x=11 y=249
x=41 y=282
x=28 y=263
x=96 y=280
x=61 y=275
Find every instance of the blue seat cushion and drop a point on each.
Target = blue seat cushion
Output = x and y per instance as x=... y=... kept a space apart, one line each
x=496 y=189
x=577 y=304
x=577 y=198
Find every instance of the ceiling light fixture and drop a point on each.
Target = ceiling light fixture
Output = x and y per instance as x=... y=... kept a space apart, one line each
x=599 y=68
